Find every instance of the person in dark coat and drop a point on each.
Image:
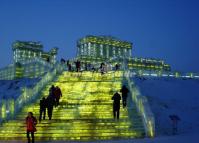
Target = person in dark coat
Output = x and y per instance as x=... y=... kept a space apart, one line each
x=67 y=62
x=117 y=67
x=116 y=105
x=31 y=123
x=125 y=92
x=102 y=68
x=62 y=61
x=50 y=101
x=42 y=109
x=78 y=66
x=174 y=119
x=51 y=90
x=58 y=95
x=69 y=67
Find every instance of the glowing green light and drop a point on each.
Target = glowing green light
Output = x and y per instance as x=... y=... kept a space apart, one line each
x=85 y=111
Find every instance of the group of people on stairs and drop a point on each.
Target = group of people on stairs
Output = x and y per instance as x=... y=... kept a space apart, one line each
x=45 y=103
x=116 y=101
x=53 y=100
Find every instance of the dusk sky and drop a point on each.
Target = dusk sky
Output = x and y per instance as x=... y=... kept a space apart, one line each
x=165 y=29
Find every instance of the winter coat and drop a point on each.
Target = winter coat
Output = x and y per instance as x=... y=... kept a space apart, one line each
x=58 y=93
x=124 y=91
x=116 y=101
x=31 y=124
x=43 y=105
x=50 y=102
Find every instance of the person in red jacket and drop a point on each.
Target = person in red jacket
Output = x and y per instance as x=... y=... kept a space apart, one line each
x=31 y=122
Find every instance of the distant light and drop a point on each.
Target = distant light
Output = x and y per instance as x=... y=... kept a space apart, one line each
x=153 y=74
x=146 y=74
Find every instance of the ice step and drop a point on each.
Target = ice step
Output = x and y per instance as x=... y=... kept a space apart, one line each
x=84 y=113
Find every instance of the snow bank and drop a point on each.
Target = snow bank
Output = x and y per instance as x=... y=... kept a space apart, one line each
x=12 y=88
x=168 y=96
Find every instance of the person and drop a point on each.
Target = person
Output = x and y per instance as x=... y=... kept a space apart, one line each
x=93 y=68
x=42 y=109
x=78 y=65
x=69 y=67
x=102 y=68
x=174 y=119
x=31 y=123
x=50 y=103
x=116 y=105
x=89 y=66
x=124 y=92
x=51 y=90
x=86 y=66
x=62 y=61
x=67 y=62
x=58 y=94
x=116 y=67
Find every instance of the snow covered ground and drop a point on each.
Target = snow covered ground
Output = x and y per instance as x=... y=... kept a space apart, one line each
x=172 y=96
x=12 y=88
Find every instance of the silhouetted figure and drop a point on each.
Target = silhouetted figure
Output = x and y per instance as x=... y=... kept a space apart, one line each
x=62 y=61
x=51 y=90
x=174 y=119
x=67 y=62
x=125 y=92
x=86 y=67
x=89 y=66
x=50 y=103
x=42 y=109
x=102 y=68
x=93 y=68
x=48 y=60
x=116 y=105
x=78 y=66
x=31 y=123
x=69 y=67
x=117 y=67
x=58 y=95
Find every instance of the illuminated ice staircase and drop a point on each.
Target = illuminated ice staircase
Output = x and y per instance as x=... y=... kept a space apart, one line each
x=85 y=113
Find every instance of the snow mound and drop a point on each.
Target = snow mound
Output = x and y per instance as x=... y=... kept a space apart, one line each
x=12 y=88
x=169 y=96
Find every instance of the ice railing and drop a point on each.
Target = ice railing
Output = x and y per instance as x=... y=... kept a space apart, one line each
x=93 y=76
x=173 y=74
x=142 y=106
x=10 y=107
x=37 y=60
x=9 y=72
